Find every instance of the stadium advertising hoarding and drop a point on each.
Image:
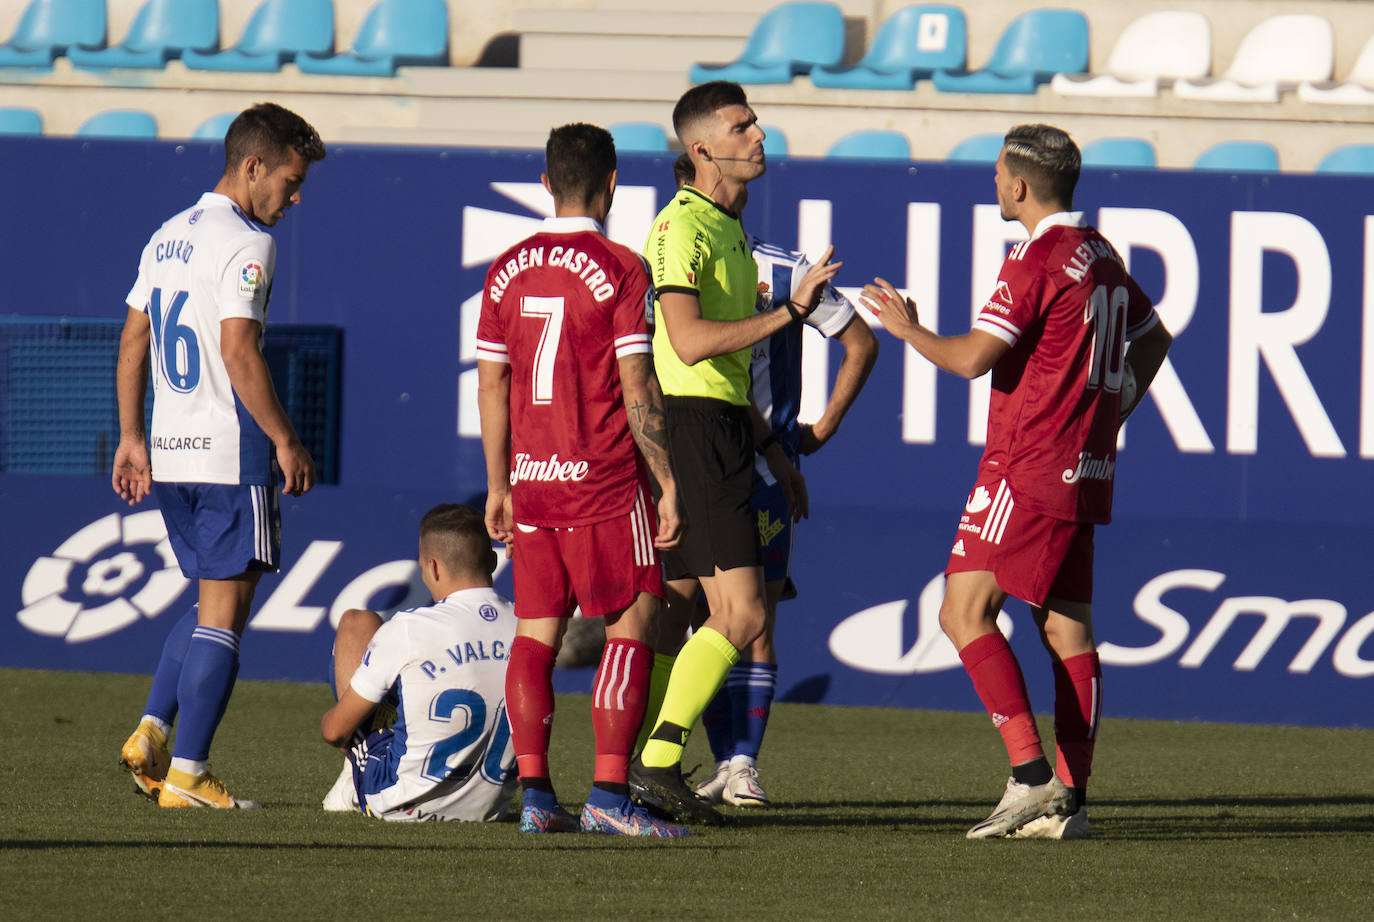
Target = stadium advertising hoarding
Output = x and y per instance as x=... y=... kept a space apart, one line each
x=1231 y=585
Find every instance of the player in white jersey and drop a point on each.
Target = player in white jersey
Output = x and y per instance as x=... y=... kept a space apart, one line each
x=220 y=439
x=442 y=667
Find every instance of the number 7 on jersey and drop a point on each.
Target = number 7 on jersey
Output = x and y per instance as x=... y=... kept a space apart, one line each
x=546 y=356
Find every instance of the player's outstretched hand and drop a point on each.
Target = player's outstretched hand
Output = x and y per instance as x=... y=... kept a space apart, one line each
x=297 y=468
x=500 y=519
x=808 y=292
x=132 y=478
x=896 y=313
x=669 y=521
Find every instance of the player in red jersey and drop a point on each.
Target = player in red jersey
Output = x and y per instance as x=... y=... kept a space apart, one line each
x=1053 y=334
x=567 y=391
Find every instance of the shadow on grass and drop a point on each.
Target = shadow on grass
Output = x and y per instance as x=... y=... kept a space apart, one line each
x=570 y=843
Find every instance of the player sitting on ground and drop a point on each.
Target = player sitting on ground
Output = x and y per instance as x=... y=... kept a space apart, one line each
x=442 y=667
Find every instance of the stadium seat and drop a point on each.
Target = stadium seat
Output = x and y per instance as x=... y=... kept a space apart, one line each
x=1116 y=153
x=1287 y=49
x=872 y=145
x=16 y=120
x=278 y=31
x=788 y=40
x=645 y=137
x=774 y=141
x=161 y=30
x=49 y=27
x=396 y=33
x=1163 y=45
x=1239 y=156
x=981 y=148
x=913 y=43
x=1036 y=45
x=214 y=128
x=1357 y=90
x=1353 y=158
x=119 y=123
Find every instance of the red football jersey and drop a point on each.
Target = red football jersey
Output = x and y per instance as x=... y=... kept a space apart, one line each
x=561 y=307
x=1066 y=305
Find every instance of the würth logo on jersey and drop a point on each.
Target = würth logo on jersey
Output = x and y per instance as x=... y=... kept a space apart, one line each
x=1090 y=468
x=528 y=468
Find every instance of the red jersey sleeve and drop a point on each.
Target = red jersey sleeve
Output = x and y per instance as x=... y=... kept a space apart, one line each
x=629 y=322
x=1017 y=302
x=491 y=332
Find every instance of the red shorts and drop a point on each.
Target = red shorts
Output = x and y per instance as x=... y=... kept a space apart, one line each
x=601 y=567
x=1034 y=557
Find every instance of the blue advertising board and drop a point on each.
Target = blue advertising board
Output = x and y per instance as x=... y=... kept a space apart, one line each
x=1231 y=585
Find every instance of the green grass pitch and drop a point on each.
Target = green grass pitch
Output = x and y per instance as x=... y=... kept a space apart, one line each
x=1190 y=821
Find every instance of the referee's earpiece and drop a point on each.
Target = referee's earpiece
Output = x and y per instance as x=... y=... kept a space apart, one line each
x=705 y=154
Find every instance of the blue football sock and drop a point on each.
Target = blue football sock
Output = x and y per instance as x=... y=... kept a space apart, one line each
x=207 y=680
x=162 y=697
x=605 y=800
x=716 y=720
x=751 y=693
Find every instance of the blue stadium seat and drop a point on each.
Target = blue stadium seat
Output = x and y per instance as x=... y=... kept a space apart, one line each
x=49 y=27
x=788 y=40
x=1353 y=158
x=639 y=136
x=278 y=31
x=981 y=148
x=774 y=141
x=396 y=33
x=1239 y=156
x=1036 y=45
x=872 y=145
x=214 y=128
x=119 y=123
x=913 y=43
x=1116 y=153
x=18 y=120
x=162 y=30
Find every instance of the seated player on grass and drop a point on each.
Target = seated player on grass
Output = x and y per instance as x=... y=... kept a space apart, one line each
x=443 y=669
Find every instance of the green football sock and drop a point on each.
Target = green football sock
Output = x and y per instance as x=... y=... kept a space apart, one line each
x=658 y=686
x=697 y=675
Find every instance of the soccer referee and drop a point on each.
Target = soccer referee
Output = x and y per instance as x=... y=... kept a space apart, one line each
x=706 y=282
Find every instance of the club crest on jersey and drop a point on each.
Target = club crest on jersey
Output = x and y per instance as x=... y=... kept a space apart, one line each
x=1003 y=293
x=488 y=612
x=250 y=277
x=195 y=216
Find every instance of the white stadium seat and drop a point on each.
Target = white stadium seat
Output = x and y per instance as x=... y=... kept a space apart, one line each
x=1287 y=49
x=1357 y=90
x=1163 y=45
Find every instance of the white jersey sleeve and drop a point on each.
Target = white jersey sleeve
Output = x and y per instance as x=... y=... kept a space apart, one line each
x=834 y=311
x=245 y=277
x=385 y=657
x=138 y=295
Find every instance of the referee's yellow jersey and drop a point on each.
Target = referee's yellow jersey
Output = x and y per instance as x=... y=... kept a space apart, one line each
x=698 y=248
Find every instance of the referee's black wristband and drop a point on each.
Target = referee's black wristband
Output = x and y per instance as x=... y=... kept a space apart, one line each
x=767 y=443
x=793 y=309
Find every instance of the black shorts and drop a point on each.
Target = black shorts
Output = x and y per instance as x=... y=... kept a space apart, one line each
x=712 y=445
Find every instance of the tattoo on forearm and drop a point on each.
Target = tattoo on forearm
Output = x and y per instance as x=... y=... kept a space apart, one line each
x=638 y=410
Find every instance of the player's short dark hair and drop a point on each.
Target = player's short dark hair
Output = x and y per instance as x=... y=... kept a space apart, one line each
x=457 y=536
x=1047 y=159
x=268 y=131
x=704 y=100
x=683 y=170
x=578 y=159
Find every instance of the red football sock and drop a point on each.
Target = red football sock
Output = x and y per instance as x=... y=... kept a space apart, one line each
x=999 y=683
x=618 y=699
x=1077 y=707
x=529 y=704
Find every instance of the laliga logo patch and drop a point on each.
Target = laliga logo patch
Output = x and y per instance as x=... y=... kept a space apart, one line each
x=103 y=579
x=250 y=276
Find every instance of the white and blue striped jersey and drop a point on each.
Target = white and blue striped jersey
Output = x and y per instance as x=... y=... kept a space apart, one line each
x=776 y=362
x=207 y=264
x=449 y=755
